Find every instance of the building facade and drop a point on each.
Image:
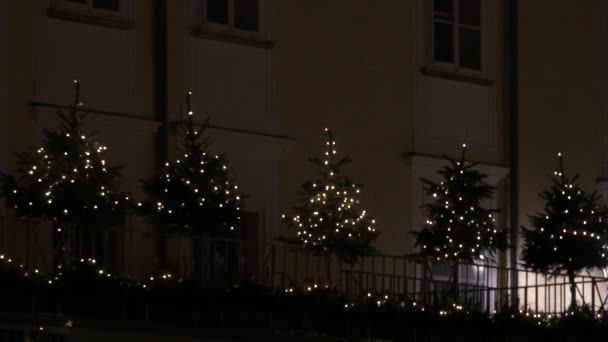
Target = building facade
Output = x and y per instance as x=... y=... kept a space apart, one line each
x=401 y=83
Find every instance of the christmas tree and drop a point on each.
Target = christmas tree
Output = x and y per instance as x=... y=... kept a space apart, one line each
x=570 y=234
x=328 y=216
x=458 y=228
x=193 y=195
x=66 y=181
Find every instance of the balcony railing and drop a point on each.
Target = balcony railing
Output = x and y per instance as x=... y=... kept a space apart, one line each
x=131 y=252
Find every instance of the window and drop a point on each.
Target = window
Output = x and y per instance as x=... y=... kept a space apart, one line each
x=241 y=17
x=456 y=39
x=79 y=9
x=106 y=5
x=110 y=6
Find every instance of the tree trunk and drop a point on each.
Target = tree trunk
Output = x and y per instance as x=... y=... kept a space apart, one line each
x=571 y=279
x=161 y=250
x=197 y=257
x=59 y=246
x=455 y=281
x=328 y=268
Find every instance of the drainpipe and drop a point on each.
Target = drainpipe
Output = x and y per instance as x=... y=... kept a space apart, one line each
x=161 y=105
x=160 y=81
x=511 y=73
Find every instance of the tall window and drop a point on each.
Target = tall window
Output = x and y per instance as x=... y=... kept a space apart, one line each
x=239 y=16
x=456 y=33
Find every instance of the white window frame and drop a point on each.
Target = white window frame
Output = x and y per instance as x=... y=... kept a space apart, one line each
x=124 y=11
x=230 y=29
x=455 y=66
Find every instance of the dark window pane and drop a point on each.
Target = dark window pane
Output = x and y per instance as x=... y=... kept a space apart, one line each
x=78 y=1
x=444 y=42
x=443 y=9
x=108 y=5
x=470 y=12
x=246 y=15
x=217 y=11
x=470 y=48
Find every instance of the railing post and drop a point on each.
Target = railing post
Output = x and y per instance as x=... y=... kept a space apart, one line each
x=393 y=287
x=361 y=270
x=27 y=244
x=404 y=289
x=593 y=284
x=425 y=285
x=526 y=293
x=383 y=273
x=536 y=292
x=2 y=233
x=339 y=273
x=373 y=273
x=487 y=288
x=273 y=254
x=296 y=266
x=347 y=285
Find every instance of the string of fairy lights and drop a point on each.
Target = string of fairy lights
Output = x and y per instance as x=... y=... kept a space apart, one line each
x=377 y=299
x=197 y=181
x=572 y=231
x=56 y=174
x=458 y=226
x=330 y=211
x=333 y=205
x=321 y=197
x=569 y=192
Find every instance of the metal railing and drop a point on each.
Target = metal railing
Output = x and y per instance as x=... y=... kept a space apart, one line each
x=482 y=286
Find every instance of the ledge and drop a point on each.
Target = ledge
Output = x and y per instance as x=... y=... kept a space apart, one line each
x=232 y=38
x=91 y=19
x=454 y=76
x=433 y=163
x=108 y=118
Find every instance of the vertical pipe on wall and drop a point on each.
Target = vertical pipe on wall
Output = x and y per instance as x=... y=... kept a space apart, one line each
x=160 y=80
x=161 y=105
x=511 y=73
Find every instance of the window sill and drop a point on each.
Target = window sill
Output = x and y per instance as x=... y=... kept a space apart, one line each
x=91 y=19
x=454 y=76
x=232 y=38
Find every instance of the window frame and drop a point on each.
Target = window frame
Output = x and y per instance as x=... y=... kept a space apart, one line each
x=455 y=67
x=230 y=28
x=88 y=11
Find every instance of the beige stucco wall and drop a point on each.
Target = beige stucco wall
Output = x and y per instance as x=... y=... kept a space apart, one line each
x=562 y=108
x=352 y=67
x=232 y=84
x=349 y=67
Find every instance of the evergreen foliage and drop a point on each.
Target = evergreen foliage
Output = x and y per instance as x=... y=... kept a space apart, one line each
x=67 y=180
x=458 y=227
x=194 y=194
x=570 y=234
x=328 y=216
